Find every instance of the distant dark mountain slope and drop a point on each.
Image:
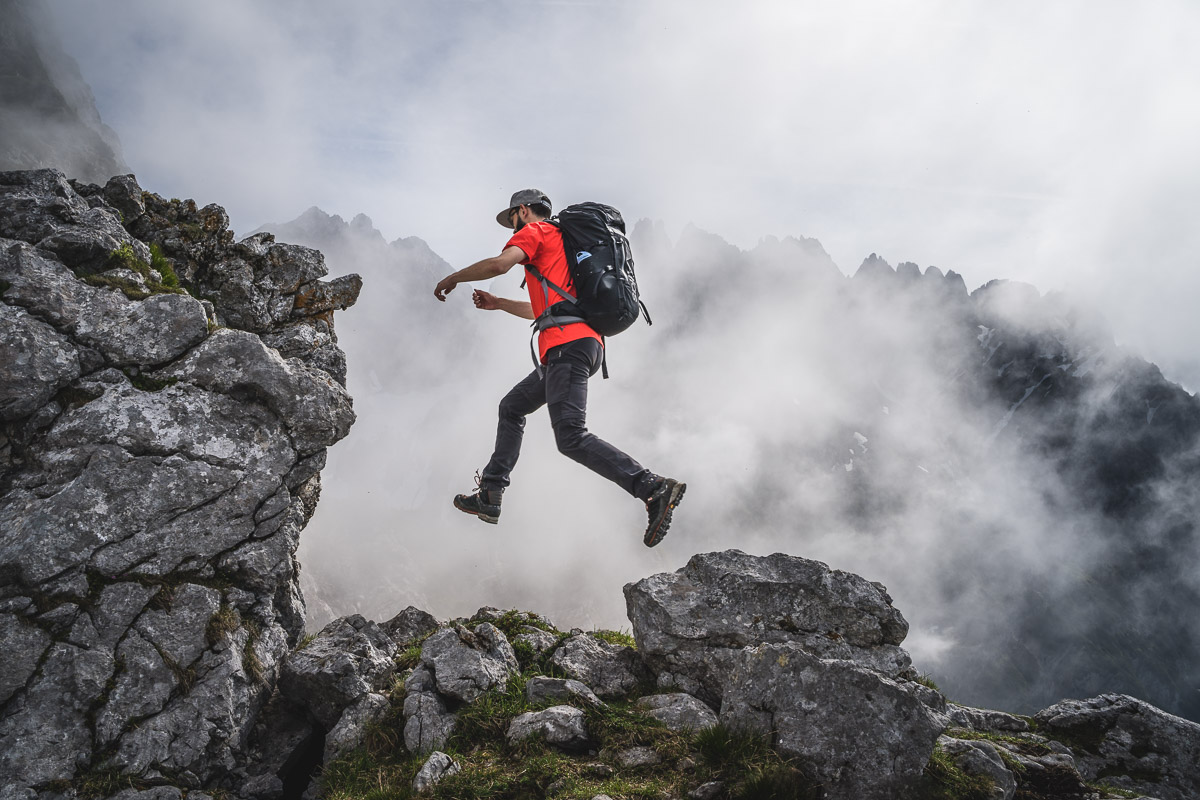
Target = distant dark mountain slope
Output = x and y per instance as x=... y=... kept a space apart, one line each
x=48 y=117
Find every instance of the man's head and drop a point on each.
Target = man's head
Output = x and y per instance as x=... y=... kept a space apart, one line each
x=527 y=205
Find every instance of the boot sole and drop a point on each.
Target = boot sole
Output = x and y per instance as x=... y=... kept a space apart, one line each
x=660 y=531
x=488 y=518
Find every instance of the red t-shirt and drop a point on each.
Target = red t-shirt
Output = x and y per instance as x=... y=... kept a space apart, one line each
x=542 y=244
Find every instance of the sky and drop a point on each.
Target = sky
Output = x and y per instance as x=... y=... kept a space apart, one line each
x=1045 y=143
x=1051 y=143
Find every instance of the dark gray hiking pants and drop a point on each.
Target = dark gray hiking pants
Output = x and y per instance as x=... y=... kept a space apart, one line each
x=562 y=386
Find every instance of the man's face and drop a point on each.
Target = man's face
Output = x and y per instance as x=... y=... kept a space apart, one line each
x=514 y=216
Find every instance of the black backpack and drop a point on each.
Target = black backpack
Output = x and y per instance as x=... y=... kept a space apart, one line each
x=601 y=266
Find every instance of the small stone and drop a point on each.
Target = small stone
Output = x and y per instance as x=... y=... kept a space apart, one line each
x=560 y=726
x=438 y=766
x=678 y=711
x=707 y=791
x=638 y=757
x=541 y=689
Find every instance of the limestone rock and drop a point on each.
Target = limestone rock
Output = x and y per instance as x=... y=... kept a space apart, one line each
x=541 y=689
x=438 y=766
x=539 y=640
x=857 y=732
x=980 y=758
x=409 y=625
x=149 y=518
x=560 y=726
x=1135 y=746
x=691 y=624
x=465 y=663
x=44 y=735
x=348 y=733
x=428 y=723
x=350 y=658
x=678 y=711
x=35 y=363
x=636 y=757
x=238 y=364
x=126 y=332
x=608 y=669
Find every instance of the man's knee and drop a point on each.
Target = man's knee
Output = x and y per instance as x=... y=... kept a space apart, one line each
x=569 y=435
x=512 y=408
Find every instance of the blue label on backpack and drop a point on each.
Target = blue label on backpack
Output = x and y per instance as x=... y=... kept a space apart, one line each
x=581 y=255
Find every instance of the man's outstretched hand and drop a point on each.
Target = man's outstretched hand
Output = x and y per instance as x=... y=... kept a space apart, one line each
x=444 y=287
x=485 y=300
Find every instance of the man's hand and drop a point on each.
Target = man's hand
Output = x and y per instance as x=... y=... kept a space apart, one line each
x=444 y=287
x=485 y=300
x=480 y=271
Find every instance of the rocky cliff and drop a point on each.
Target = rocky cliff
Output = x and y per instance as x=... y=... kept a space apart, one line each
x=167 y=396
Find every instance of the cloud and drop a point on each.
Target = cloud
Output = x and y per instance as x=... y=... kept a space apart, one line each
x=1049 y=144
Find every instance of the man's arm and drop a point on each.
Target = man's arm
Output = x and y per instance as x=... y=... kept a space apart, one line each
x=489 y=302
x=481 y=271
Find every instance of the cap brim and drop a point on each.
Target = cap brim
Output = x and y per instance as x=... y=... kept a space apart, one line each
x=504 y=217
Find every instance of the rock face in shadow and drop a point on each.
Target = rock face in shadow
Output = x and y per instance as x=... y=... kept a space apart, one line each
x=48 y=115
x=168 y=397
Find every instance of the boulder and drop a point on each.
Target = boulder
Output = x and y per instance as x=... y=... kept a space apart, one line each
x=538 y=640
x=981 y=758
x=560 y=726
x=350 y=658
x=691 y=625
x=609 y=670
x=854 y=730
x=678 y=711
x=409 y=625
x=147 y=332
x=428 y=724
x=350 y=729
x=466 y=663
x=541 y=689
x=36 y=361
x=436 y=767
x=1132 y=744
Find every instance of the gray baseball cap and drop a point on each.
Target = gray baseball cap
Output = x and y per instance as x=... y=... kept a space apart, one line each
x=525 y=197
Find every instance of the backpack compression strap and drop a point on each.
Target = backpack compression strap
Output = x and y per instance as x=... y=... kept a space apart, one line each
x=548 y=319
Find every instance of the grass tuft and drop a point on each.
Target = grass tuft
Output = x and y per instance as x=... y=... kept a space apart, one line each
x=944 y=780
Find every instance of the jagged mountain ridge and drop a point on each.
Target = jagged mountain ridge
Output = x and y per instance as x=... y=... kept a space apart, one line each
x=48 y=116
x=997 y=443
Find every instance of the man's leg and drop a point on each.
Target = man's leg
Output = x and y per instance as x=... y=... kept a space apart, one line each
x=522 y=400
x=526 y=397
x=567 y=371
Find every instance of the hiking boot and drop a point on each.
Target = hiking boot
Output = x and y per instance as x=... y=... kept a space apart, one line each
x=484 y=503
x=666 y=495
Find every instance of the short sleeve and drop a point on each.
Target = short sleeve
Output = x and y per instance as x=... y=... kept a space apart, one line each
x=529 y=239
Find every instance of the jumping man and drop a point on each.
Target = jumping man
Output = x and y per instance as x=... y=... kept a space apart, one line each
x=570 y=355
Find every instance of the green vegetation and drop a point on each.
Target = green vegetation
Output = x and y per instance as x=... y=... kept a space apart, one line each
x=222 y=623
x=160 y=263
x=492 y=768
x=619 y=638
x=944 y=780
x=4 y=286
x=250 y=660
x=1112 y=791
x=159 y=280
x=926 y=680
